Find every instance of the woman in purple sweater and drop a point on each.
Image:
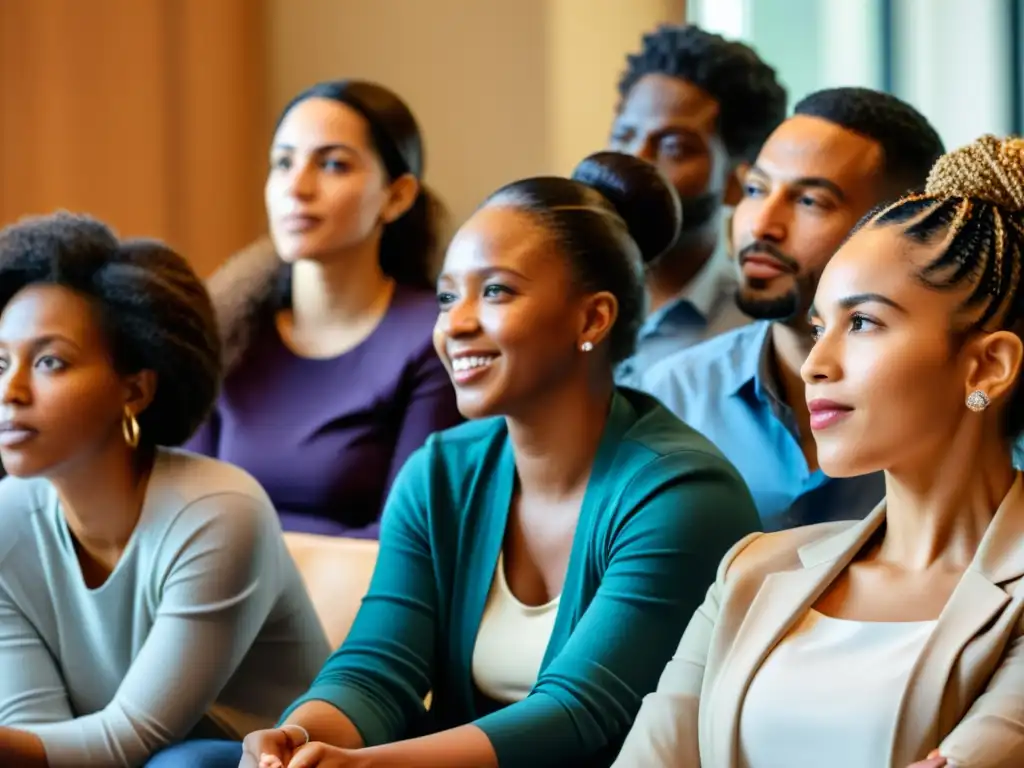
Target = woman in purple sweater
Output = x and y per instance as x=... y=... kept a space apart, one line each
x=332 y=378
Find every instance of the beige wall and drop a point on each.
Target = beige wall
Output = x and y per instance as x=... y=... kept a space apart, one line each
x=148 y=115
x=502 y=88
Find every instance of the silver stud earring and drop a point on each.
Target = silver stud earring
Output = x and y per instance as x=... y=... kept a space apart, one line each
x=978 y=401
x=587 y=346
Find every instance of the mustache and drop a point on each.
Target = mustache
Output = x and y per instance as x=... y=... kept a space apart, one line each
x=763 y=247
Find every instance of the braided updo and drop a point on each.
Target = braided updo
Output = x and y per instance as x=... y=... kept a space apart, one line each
x=974 y=204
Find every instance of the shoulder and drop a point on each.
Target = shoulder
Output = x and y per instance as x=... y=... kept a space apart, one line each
x=414 y=310
x=711 y=365
x=659 y=447
x=457 y=452
x=761 y=555
x=22 y=501
x=193 y=477
x=408 y=331
x=187 y=486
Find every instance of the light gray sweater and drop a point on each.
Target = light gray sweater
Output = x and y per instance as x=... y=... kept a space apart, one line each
x=203 y=629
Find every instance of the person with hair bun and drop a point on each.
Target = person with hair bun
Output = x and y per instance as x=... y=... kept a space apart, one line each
x=145 y=592
x=538 y=563
x=897 y=640
x=332 y=381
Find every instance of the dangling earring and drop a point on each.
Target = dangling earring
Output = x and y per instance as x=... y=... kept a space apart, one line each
x=130 y=428
x=978 y=401
x=586 y=346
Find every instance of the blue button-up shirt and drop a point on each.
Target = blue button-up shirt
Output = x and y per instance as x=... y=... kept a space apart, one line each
x=724 y=389
x=704 y=309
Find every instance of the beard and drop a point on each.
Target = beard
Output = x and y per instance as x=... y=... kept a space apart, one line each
x=751 y=298
x=784 y=307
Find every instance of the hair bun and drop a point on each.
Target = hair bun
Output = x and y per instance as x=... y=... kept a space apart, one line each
x=989 y=169
x=640 y=195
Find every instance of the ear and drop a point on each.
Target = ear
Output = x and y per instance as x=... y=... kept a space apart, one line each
x=995 y=364
x=600 y=311
x=734 y=184
x=140 y=389
x=402 y=194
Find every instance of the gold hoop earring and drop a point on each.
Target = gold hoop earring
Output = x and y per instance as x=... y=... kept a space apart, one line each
x=130 y=428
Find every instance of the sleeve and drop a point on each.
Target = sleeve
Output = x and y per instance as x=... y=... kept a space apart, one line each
x=991 y=734
x=430 y=408
x=662 y=560
x=380 y=675
x=206 y=440
x=219 y=585
x=31 y=687
x=665 y=733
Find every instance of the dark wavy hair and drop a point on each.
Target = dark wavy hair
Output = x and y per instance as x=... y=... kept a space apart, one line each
x=254 y=284
x=153 y=309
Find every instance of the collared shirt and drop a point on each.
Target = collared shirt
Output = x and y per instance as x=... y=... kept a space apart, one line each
x=705 y=308
x=724 y=388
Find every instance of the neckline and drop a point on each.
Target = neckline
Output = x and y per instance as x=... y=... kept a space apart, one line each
x=528 y=609
x=69 y=538
x=397 y=293
x=825 y=618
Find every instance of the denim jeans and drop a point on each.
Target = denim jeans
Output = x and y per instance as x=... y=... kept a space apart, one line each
x=199 y=754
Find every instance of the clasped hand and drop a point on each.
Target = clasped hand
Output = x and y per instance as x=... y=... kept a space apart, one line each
x=274 y=748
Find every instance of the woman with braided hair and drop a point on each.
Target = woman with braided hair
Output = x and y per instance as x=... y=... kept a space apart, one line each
x=899 y=638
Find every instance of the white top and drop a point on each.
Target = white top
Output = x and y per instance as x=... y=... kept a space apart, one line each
x=844 y=681
x=204 y=628
x=511 y=642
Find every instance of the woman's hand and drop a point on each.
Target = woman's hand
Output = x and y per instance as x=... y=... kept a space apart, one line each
x=260 y=748
x=934 y=760
x=319 y=755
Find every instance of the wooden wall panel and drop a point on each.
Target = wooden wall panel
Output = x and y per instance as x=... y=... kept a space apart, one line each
x=144 y=113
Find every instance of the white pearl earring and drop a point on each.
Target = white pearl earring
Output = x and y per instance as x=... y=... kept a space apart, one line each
x=586 y=346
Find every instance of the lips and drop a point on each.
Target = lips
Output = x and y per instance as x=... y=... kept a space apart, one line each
x=827 y=413
x=761 y=266
x=14 y=433
x=300 y=222
x=470 y=366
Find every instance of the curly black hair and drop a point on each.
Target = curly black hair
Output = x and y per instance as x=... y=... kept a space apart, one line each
x=910 y=144
x=152 y=307
x=751 y=100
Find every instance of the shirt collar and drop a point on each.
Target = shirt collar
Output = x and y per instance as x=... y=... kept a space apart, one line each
x=701 y=295
x=754 y=364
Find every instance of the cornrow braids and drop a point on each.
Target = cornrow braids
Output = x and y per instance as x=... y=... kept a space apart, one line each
x=752 y=102
x=974 y=202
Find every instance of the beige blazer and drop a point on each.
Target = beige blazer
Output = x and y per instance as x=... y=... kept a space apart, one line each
x=965 y=695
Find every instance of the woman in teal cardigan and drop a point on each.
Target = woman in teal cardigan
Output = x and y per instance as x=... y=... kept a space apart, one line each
x=536 y=570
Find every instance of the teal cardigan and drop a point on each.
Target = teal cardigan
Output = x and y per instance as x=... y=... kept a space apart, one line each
x=661 y=509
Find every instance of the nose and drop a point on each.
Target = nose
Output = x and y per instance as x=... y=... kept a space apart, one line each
x=300 y=183
x=767 y=217
x=459 y=319
x=823 y=363
x=15 y=387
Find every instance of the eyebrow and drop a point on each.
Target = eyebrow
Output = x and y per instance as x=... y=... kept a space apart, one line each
x=813 y=182
x=47 y=339
x=323 y=148
x=849 y=302
x=488 y=272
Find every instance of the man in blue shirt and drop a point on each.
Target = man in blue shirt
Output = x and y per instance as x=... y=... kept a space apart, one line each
x=699 y=107
x=843 y=152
